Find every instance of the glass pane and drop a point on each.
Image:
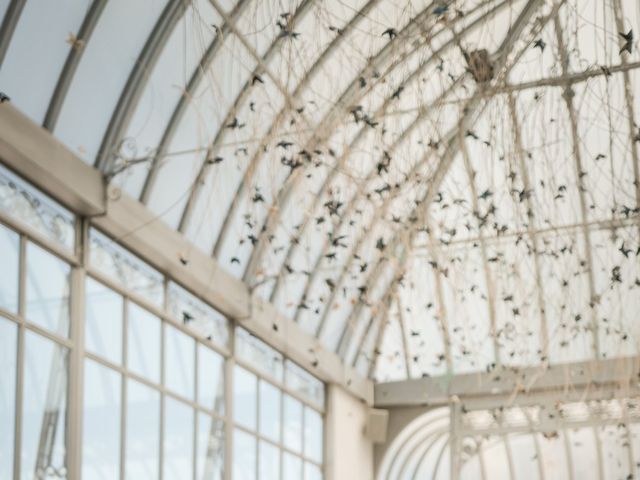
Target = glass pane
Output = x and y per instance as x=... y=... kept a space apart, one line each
x=143 y=343
x=179 y=369
x=26 y=204
x=133 y=274
x=47 y=295
x=178 y=440
x=269 y=461
x=270 y=411
x=291 y=467
x=302 y=382
x=312 y=472
x=210 y=379
x=8 y=348
x=4 y=4
x=260 y=355
x=244 y=397
x=143 y=432
x=38 y=51
x=44 y=409
x=205 y=320
x=101 y=424
x=103 y=323
x=292 y=424
x=244 y=456
x=10 y=248
x=313 y=435
x=210 y=453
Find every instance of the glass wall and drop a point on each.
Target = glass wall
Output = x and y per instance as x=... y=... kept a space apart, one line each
x=148 y=366
x=277 y=415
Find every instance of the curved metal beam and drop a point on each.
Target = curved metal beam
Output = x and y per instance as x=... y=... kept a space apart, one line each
x=440 y=303
x=533 y=237
x=215 y=146
x=438 y=435
x=575 y=141
x=162 y=30
x=488 y=277
x=9 y=23
x=337 y=223
x=230 y=21
x=351 y=204
x=419 y=438
x=629 y=100
x=384 y=321
x=252 y=165
x=71 y=64
x=327 y=126
x=181 y=108
x=405 y=341
x=379 y=215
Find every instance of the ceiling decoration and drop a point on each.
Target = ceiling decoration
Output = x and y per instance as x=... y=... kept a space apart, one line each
x=430 y=188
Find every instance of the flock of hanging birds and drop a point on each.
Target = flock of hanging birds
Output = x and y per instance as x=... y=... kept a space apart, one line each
x=484 y=218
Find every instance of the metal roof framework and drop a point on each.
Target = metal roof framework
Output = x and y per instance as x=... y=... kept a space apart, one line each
x=421 y=42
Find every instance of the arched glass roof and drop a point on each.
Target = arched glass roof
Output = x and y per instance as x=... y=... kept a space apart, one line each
x=597 y=439
x=427 y=187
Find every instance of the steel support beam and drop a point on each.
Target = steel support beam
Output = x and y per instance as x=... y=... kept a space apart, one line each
x=577 y=156
x=9 y=23
x=603 y=378
x=33 y=153
x=132 y=92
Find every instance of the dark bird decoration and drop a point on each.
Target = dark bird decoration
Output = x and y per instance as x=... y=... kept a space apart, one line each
x=286 y=30
x=391 y=32
x=472 y=134
x=333 y=206
x=383 y=166
x=213 y=161
x=628 y=42
x=283 y=144
x=486 y=194
x=539 y=43
x=4 y=97
x=235 y=124
x=440 y=10
x=624 y=251
x=290 y=162
x=397 y=92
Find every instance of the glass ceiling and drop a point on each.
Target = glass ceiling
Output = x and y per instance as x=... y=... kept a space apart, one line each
x=596 y=439
x=428 y=187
